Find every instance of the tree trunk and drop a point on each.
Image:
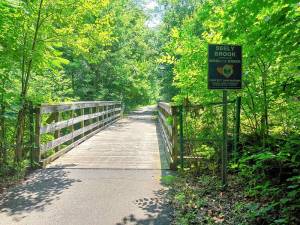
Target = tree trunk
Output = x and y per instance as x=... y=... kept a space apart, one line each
x=264 y=118
x=25 y=86
x=20 y=133
x=3 y=155
x=263 y=67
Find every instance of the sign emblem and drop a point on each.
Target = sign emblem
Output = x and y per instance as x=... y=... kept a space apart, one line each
x=226 y=70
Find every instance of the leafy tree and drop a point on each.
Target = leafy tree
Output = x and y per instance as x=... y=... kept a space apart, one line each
x=269 y=34
x=64 y=50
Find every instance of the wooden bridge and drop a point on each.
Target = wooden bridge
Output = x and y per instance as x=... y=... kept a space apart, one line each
x=58 y=128
x=92 y=177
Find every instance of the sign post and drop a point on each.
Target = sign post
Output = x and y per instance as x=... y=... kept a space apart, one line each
x=224 y=73
x=225 y=142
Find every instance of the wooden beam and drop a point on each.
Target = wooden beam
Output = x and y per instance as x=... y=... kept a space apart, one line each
x=61 y=107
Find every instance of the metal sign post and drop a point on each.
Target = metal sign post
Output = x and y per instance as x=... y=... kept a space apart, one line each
x=225 y=141
x=224 y=72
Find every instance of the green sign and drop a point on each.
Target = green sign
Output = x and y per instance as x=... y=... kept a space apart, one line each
x=224 y=66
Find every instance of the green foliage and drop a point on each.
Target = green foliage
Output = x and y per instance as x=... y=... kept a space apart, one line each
x=66 y=50
x=168 y=180
x=13 y=171
x=48 y=153
x=273 y=177
x=268 y=158
x=205 y=152
x=201 y=201
x=170 y=120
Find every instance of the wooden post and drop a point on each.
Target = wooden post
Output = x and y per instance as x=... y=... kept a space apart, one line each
x=57 y=116
x=174 y=137
x=97 y=118
x=101 y=108
x=91 y=120
x=115 y=112
x=109 y=113
x=37 y=137
x=122 y=109
x=106 y=113
x=73 y=126
x=82 y=122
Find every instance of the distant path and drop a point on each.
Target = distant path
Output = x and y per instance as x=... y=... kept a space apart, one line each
x=111 y=179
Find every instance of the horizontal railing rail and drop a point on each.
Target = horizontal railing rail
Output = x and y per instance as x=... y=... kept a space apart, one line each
x=49 y=108
x=69 y=124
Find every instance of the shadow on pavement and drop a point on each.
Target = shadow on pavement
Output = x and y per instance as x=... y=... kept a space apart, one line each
x=43 y=187
x=157 y=210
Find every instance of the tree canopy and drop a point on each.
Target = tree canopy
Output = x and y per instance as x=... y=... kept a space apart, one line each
x=86 y=50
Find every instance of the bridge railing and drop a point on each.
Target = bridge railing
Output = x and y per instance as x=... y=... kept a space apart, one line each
x=168 y=123
x=60 y=127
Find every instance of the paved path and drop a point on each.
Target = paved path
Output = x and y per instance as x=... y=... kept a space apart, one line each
x=114 y=178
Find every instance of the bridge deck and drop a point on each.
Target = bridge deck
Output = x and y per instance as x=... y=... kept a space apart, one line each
x=131 y=143
x=114 y=178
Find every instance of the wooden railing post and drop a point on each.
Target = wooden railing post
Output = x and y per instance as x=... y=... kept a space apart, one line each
x=174 y=137
x=37 y=137
x=97 y=111
x=106 y=113
x=109 y=113
x=89 y=121
x=114 y=112
x=73 y=126
x=102 y=116
x=122 y=109
x=57 y=116
x=82 y=122
x=98 y=118
x=90 y=113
